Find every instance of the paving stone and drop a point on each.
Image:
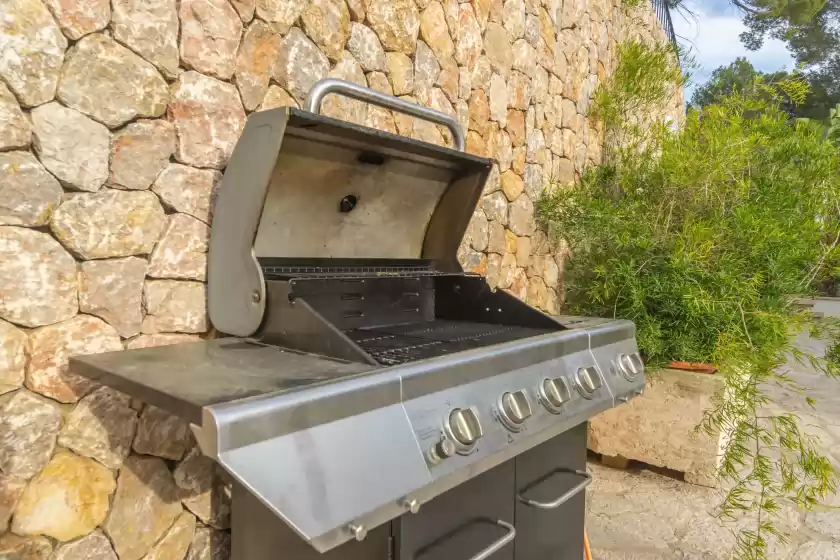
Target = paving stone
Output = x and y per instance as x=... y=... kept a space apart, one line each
x=110 y=223
x=300 y=64
x=255 y=62
x=94 y=546
x=71 y=146
x=139 y=152
x=188 y=190
x=107 y=82
x=159 y=433
x=149 y=28
x=145 y=506
x=112 y=289
x=28 y=193
x=75 y=490
x=33 y=51
x=30 y=426
x=101 y=427
x=37 y=280
x=17 y=130
x=50 y=348
x=396 y=22
x=208 y=119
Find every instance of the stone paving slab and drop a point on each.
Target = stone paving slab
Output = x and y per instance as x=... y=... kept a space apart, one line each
x=642 y=515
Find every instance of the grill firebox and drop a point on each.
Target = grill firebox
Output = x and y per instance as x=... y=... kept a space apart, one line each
x=364 y=374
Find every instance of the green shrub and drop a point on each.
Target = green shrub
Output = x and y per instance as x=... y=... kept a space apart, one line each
x=705 y=237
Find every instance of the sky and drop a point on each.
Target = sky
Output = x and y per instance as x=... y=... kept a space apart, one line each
x=713 y=36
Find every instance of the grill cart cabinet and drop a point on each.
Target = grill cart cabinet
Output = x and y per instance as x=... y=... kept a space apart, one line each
x=370 y=398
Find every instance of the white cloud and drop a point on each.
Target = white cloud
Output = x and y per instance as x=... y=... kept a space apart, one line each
x=714 y=40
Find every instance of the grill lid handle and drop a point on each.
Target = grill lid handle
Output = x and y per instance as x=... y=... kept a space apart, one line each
x=327 y=86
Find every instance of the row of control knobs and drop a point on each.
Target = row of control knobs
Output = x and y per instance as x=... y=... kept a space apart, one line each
x=463 y=428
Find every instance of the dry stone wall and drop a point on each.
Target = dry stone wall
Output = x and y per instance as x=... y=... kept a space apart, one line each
x=116 y=121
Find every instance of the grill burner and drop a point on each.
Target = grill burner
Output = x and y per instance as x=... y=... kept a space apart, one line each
x=400 y=344
x=365 y=374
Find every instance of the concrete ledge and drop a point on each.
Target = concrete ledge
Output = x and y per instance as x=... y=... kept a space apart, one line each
x=658 y=428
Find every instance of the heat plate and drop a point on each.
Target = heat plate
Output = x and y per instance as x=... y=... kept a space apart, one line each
x=400 y=344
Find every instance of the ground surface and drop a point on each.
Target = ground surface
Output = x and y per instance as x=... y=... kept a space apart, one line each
x=641 y=515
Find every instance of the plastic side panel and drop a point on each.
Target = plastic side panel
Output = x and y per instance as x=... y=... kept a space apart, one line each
x=325 y=477
x=236 y=292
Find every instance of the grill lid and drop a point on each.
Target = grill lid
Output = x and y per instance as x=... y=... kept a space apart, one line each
x=301 y=187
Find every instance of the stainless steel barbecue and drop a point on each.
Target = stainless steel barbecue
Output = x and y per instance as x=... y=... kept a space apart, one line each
x=367 y=374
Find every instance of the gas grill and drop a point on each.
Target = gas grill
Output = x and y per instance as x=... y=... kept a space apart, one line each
x=372 y=400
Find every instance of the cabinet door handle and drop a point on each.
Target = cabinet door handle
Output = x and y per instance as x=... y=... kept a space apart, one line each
x=578 y=488
x=506 y=538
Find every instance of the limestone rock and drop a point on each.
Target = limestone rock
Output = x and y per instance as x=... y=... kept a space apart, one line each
x=95 y=546
x=534 y=182
x=365 y=47
x=101 y=427
x=435 y=32
x=495 y=207
x=535 y=147
x=145 y=506
x=462 y=112
x=478 y=231
x=280 y=14
x=71 y=146
x=202 y=490
x=139 y=152
x=476 y=144
x=512 y=185
x=149 y=28
x=498 y=48
x=245 y=9
x=504 y=151
x=11 y=489
x=208 y=118
x=496 y=237
x=13 y=547
x=521 y=216
x=113 y=290
x=13 y=350
x=519 y=286
x=818 y=550
x=524 y=58
x=357 y=10
x=188 y=190
x=300 y=64
x=518 y=163
x=516 y=127
x=479 y=112
x=176 y=542
x=33 y=51
x=209 y=544
x=426 y=72
x=473 y=261
x=28 y=194
x=80 y=17
x=255 y=62
x=465 y=82
x=327 y=22
x=519 y=91
x=342 y=107
x=51 y=346
x=537 y=294
x=17 y=131
x=510 y=242
x=37 y=279
x=74 y=490
x=448 y=79
x=109 y=83
x=396 y=22
x=400 y=73
x=498 y=99
x=507 y=271
x=210 y=33
x=29 y=426
x=481 y=73
x=109 y=223
x=277 y=97
x=175 y=306
x=152 y=340
x=160 y=433
x=469 y=44
x=565 y=172
x=182 y=251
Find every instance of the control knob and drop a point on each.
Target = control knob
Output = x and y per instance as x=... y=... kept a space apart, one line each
x=515 y=408
x=464 y=427
x=630 y=365
x=587 y=381
x=555 y=393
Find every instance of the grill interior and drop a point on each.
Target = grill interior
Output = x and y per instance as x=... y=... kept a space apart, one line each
x=400 y=344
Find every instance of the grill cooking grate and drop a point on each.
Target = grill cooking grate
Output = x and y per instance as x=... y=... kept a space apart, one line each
x=400 y=344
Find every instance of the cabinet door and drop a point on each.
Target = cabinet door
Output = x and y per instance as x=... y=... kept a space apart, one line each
x=463 y=522
x=544 y=475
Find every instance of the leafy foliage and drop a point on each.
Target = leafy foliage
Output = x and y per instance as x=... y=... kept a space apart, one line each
x=704 y=237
